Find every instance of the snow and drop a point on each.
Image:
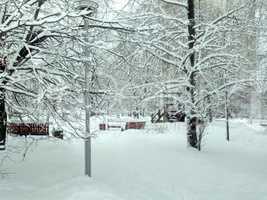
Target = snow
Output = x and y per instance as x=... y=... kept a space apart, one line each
x=143 y=165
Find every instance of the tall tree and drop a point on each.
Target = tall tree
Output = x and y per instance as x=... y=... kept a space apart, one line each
x=196 y=52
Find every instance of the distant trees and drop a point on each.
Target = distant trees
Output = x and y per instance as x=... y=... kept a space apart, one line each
x=260 y=92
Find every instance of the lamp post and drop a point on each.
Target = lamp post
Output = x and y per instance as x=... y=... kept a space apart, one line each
x=89 y=6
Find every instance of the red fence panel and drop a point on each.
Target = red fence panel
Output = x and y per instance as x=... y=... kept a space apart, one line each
x=28 y=128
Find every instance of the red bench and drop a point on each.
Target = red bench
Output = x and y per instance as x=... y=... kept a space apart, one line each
x=129 y=125
x=135 y=125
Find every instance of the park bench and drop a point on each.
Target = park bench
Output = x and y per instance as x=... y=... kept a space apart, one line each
x=135 y=125
x=128 y=125
x=109 y=125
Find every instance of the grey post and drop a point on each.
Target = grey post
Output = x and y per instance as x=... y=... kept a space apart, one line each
x=90 y=6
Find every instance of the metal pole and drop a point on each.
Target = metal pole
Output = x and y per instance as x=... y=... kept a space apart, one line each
x=87 y=141
x=87 y=144
x=88 y=157
x=88 y=5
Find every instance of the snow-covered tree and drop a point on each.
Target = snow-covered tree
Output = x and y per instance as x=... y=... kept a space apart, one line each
x=193 y=53
x=30 y=32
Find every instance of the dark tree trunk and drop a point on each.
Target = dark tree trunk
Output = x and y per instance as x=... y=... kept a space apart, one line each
x=3 y=118
x=192 y=121
x=192 y=132
x=227 y=116
x=3 y=115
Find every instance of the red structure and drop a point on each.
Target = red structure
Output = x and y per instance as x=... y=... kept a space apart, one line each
x=135 y=125
x=28 y=129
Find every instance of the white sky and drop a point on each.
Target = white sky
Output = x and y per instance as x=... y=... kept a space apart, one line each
x=119 y=4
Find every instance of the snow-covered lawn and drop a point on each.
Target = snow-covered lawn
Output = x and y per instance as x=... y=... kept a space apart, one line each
x=143 y=165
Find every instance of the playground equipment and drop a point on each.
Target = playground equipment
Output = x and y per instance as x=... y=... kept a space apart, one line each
x=168 y=113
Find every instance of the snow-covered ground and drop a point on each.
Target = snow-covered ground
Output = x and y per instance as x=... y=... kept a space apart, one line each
x=143 y=165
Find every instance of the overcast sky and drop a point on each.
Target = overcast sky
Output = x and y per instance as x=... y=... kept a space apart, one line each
x=119 y=4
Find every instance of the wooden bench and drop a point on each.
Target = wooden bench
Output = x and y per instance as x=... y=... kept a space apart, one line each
x=135 y=125
x=129 y=125
x=114 y=126
x=103 y=126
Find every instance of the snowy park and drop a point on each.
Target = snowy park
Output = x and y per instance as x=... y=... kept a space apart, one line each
x=133 y=100
x=144 y=164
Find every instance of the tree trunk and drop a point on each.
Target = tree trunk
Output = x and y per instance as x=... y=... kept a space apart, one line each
x=227 y=116
x=192 y=121
x=210 y=115
x=3 y=115
x=3 y=118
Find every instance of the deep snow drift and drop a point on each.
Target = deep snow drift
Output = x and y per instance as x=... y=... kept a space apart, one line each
x=143 y=165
